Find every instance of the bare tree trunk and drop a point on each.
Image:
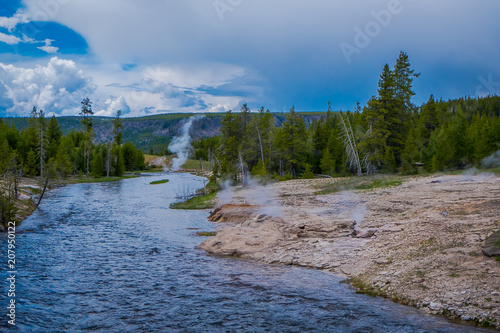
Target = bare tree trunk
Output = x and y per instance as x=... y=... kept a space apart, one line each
x=108 y=161
x=204 y=178
x=350 y=145
x=43 y=191
x=242 y=167
x=261 y=148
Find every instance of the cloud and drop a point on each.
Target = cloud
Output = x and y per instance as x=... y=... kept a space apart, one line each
x=166 y=88
x=57 y=87
x=11 y=22
x=113 y=104
x=196 y=57
x=9 y=39
x=47 y=47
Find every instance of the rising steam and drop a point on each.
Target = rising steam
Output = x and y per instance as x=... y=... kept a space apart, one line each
x=492 y=161
x=181 y=145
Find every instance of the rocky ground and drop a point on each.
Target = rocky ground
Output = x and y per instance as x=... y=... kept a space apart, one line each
x=25 y=204
x=420 y=243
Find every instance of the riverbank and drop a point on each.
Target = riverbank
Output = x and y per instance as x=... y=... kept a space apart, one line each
x=419 y=243
x=29 y=189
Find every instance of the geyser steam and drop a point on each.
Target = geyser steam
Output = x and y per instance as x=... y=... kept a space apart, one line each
x=181 y=145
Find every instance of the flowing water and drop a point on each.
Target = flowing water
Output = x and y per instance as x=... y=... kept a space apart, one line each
x=112 y=257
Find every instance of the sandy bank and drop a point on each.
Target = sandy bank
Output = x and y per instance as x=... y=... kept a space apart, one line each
x=419 y=243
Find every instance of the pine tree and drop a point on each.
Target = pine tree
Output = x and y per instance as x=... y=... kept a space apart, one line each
x=38 y=122
x=374 y=145
x=54 y=135
x=229 y=149
x=291 y=141
x=119 y=162
x=410 y=155
x=117 y=126
x=62 y=161
x=97 y=162
x=403 y=79
x=86 y=112
x=30 y=165
x=428 y=120
x=327 y=163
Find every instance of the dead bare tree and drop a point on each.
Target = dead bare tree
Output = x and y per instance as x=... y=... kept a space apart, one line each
x=367 y=164
x=184 y=193
x=241 y=167
x=204 y=177
x=350 y=145
x=108 y=159
x=50 y=174
x=260 y=143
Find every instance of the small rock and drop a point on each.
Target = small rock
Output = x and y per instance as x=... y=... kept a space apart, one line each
x=495 y=293
x=253 y=242
x=435 y=306
x=382 y=261
x=365 y=234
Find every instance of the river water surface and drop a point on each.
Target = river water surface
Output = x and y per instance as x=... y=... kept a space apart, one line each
x=112 y=257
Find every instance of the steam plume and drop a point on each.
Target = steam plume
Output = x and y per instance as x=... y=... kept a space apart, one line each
x=181 y=145
x=491 y=161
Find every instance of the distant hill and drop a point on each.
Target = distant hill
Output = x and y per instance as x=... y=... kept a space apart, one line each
x=151 y=133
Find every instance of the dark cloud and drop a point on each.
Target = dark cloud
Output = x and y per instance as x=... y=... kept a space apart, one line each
x=290 y=52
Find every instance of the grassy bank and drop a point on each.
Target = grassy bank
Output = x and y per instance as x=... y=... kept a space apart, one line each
x=201 y=202
x=191 y=165
x=360 y=183
x=84 y=180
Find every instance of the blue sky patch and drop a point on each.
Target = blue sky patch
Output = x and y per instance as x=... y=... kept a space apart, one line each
x=9 y=7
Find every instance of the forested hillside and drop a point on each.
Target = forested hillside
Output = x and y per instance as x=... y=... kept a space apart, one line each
x=150 y=134
x=390 y=134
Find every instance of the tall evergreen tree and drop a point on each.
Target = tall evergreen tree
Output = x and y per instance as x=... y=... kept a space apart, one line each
x=54 y=135
x=291 y=141
x=40 y=128
x=86 y=112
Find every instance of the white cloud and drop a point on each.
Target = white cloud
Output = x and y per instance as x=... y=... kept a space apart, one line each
x=9 y=39
x=113 y=104
x=165 y=88
x=11 y=22
x=272 y=55
x=57 y=87
x=47 y=47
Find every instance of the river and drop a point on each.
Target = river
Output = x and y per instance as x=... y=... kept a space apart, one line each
x=112 y=257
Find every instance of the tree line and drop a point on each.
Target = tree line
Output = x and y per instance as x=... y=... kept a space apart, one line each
x=388 y=135
x=41 y=150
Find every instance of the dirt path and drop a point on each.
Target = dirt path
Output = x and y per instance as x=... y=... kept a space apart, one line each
x=419 y=243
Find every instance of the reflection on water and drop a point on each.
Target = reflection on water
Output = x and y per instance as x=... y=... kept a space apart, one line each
x=112 y=257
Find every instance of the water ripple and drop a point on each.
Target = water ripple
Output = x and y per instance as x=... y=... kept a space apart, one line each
x=112 y=257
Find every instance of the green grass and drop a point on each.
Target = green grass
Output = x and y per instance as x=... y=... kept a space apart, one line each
x=201 y=202
x=364 y=288
x=96 y=180
x=195 y=165
x=360 y=183
x=158 y=182
x=206 y=234
x=497 y=243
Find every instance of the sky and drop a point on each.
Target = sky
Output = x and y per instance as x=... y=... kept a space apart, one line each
x=147 y=57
